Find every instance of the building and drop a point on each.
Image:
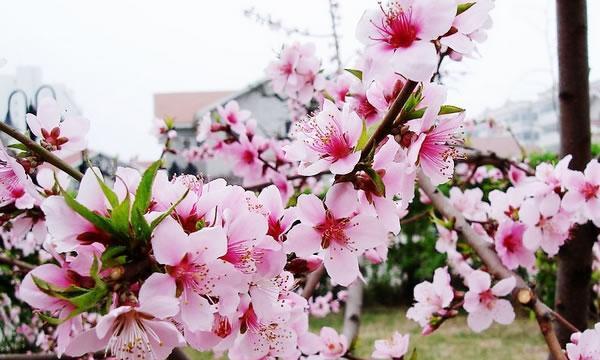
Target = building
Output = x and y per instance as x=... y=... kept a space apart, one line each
x=535 y=123
x=20 y=94
x=187 y=109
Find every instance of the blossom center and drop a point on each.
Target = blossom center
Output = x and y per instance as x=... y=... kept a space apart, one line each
x=397 y=28
x=333 y=230
x=589 y=190
x=487 y=299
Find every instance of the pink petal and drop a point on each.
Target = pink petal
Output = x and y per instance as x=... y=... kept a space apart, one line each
x=303 y=240
x=341 y=265
x=169 y=242
x=503 y=312
x=196 y=312
x=157 y=296
x=310 y=209
x=479 y=320
x=504 y=286
x=342 y=200
x=344 y=165
x=209 y=243
x=417 y=62
x=479 y=281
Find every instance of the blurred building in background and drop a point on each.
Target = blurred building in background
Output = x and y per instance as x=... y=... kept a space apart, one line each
x=535 y=123
x=187 y=109
x=20 y=94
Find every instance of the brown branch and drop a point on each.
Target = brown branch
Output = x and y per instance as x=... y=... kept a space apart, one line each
x=40 y=151
x=388 y=120
x=494 y=265
x=312 y=280
x=18 y=263
x=414 y=218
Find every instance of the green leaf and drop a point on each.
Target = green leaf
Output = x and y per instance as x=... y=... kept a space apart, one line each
x=99 y=221
x=377 y=181
x=141 y=228
x=450 y=109
x=162 y=216
x=120 y=217
x=364 y=137
x=108 y=192
x=413 y=356
x=463 y=7
x=18 y=146
x=112 y=252
x=357 y=73
x=56 y=291
x=50 y=320
x=143 y=194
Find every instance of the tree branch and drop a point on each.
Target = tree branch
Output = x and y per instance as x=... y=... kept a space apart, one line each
x=312 y=280
x=494 y=265
x=18 y=263
x=388 y=120
x=40 y=151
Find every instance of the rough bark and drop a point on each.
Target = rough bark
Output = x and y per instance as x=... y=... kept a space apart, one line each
x=574 y=258
x=352 y=312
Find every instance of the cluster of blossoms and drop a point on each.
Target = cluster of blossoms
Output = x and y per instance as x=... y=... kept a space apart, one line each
x=321 y=306
x=172 y=262
x=585 y=345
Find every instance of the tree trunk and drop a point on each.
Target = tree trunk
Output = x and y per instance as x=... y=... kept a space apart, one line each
x=575 y=257
x=352 y=311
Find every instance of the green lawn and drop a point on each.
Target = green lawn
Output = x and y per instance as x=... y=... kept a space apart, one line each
x=453 y=340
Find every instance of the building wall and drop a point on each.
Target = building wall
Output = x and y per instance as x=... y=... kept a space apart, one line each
x=535 y=123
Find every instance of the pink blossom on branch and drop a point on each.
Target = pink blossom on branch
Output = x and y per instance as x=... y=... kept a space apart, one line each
x=326 y=141
x=402 y=33
x=395 y=348
x=339 y=232
x=483 y=301
x=63 y=137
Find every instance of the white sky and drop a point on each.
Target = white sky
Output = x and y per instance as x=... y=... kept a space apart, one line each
x=114 y=54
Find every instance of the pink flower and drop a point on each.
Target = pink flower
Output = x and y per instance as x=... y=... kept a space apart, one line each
x=403 y=31
x=437 y=151
x=234 y=117
x=319 y=307
x=483 y=301
x=547 y=225
x=446 y=239
x=279 y=219
x=296 y=73
x=338 y=232
x=395 y=348
x=259 y=339
x=334 y=346
x=193 y=263
x=67 y=227
x=505 y=205
x=137 y=330
x=470 y=203
x=15 y=185
x=469 y=26
x=245 y=155
x=584 y=192
x=64 y=137
x=327 y=141
x=585 y=345
x=431 y=297
x=510 y=247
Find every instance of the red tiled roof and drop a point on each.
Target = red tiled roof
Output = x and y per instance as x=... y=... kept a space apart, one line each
x=183 y=106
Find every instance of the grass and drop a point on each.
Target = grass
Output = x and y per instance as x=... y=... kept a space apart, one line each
x=453 y=341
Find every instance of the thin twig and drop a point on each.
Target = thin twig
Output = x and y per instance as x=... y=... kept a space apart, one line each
x=18 y=263
x=312 y=280
x=41 y=152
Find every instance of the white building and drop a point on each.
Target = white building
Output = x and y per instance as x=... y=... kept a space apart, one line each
x=535 y=123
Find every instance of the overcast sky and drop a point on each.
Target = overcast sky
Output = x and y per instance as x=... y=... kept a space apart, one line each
x=114 y=54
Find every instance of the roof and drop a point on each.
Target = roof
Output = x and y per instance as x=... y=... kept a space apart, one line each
x=182 y=106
